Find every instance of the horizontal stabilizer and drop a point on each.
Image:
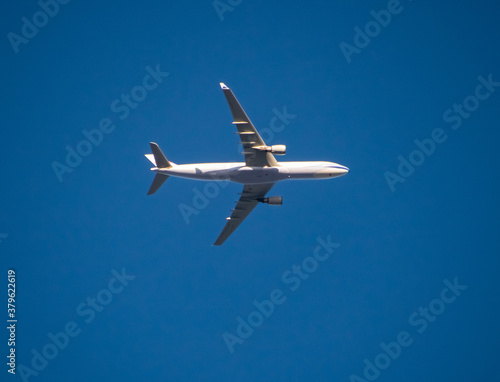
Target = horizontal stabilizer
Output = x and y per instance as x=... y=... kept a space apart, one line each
x=161 y=161
x=157 y=182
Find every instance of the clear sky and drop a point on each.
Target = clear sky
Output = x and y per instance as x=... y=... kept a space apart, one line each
x=114 y=285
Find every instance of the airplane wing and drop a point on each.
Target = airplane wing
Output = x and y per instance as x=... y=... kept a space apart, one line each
x=249 y=135
x=247 y=202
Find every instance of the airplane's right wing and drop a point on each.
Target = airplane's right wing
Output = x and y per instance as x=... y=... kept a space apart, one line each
x=248 y=200
x=249 y=135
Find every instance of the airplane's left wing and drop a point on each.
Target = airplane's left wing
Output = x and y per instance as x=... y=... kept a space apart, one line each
x=248 y=200
x=250 y=137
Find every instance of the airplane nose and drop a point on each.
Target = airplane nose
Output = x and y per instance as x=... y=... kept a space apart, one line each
x=332 y=172
x=342 y=171
x=346 y=169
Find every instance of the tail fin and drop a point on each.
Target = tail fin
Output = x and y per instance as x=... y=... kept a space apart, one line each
x=157 y=182
x=161 y=161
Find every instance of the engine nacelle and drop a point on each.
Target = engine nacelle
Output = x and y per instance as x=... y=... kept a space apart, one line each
x=278 y=150
x=272 y=200
x=275 y=149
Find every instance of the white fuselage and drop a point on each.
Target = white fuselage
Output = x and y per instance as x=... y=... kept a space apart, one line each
x=240 y=173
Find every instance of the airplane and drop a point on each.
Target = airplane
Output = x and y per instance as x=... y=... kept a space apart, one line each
x=258 y=173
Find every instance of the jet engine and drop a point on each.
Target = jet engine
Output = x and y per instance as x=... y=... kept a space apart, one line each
x=272 y=200
x=275 y=149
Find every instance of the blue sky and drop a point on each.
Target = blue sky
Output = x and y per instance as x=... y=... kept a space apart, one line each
x=398 y=248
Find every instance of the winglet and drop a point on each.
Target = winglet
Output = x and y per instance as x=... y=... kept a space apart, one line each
x=223 y=87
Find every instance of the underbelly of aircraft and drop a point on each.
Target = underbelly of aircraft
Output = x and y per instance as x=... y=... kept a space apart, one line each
x=257 y=175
